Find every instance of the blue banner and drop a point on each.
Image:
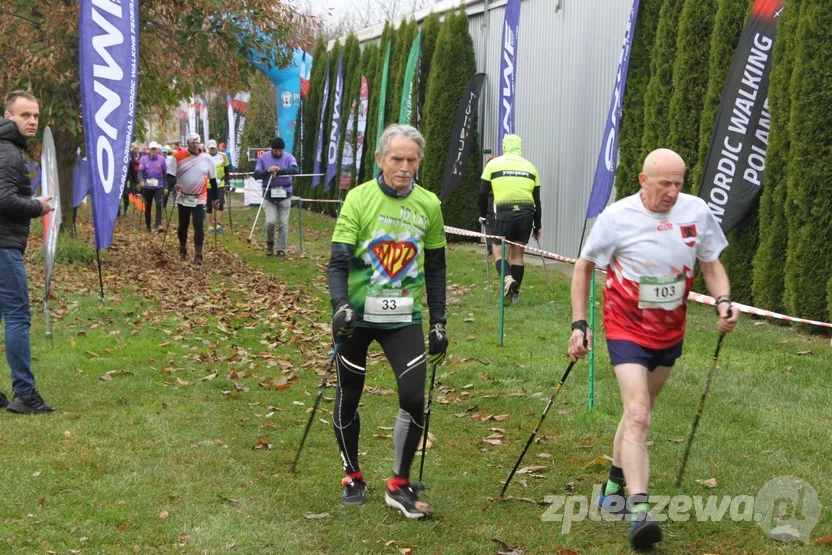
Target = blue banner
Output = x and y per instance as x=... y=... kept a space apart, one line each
x=508 y=71
x=316 y=169
x=335 y=128
x=287 y=82
x=608 y=156
x=108 y=45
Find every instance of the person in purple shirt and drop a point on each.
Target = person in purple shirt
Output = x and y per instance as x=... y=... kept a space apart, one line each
x=152 y=169
x=275 y=170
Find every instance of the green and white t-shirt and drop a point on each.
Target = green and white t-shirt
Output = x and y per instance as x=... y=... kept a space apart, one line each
x=387 y=276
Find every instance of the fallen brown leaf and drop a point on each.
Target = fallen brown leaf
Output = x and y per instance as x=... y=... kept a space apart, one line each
x=710 y=482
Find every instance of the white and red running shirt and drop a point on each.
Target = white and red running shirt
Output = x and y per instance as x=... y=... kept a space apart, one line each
x=193 y=173
x=650 y=259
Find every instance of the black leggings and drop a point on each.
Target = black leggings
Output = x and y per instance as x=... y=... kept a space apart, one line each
x=405 y=350
x=185 y=213
x=150 y=195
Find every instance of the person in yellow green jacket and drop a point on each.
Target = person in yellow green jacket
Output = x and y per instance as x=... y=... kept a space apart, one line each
x=216 y=198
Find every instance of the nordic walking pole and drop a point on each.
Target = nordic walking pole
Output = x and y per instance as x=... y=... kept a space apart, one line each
x=230 y=219
x=262 y=200
x=427 y=421
x=487 y=266
x=545 y=271
x=315 y=406
x=539 y=422
x=699 y=408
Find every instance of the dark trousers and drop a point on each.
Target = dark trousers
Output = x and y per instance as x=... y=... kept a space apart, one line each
x=185 y=214
x=149 y=196
x=405 y=350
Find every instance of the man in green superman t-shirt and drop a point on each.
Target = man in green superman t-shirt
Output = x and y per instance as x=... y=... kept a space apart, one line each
x=388 y=246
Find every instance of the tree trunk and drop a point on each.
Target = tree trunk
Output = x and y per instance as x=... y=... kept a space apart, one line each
x=65 y=150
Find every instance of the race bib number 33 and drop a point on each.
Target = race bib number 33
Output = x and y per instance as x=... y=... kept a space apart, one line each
x=666 y=292
x=387 y=306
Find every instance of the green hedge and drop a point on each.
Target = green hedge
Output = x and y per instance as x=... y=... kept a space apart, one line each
x=690 y=77
x=452 y=67
x=809 y=262
x=769 y=267
x=660 y=87
x=632 y=118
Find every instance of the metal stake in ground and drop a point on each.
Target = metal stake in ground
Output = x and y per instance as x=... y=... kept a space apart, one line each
x=536 y=428
x=315 y=406
x=700 y=407
x=546 y=271
x=262 y=200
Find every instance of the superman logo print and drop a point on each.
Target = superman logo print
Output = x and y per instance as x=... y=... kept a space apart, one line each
x=393 y=257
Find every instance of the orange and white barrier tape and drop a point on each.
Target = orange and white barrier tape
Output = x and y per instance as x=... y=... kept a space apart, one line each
x=692 y=296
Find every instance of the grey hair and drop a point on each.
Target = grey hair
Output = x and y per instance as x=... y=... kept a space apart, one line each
x=395 y=130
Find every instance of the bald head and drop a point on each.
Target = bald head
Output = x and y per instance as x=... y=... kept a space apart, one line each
x=662 y=159
x=662 y=178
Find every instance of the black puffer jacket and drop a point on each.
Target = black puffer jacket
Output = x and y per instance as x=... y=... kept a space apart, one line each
x=17 y=206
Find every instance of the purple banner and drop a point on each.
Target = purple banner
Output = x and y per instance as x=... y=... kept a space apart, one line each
x=508 y=71
x=316 y=166
x=108 y=45
x=608 y=156
x=335 y=128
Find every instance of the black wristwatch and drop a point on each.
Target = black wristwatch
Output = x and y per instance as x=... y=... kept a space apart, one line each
x=722 y=299
x=580 y=325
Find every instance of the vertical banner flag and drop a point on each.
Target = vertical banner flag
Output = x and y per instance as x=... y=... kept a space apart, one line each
x=305 y=70
x=287 y=82
x=406 y=109
x=608 y=156
x=363 y=106
x=240 y=106
x=418 y=88
x=466 y=115
x=335 y=128
x=733 y=176
x=382 y=98
x=347 y=153
x=108 y=45
x=316 y=169
x=51 y=221
x=203 y=113
x=230 y=142
x=508 y=72
x=191 y=117
x=183 y=121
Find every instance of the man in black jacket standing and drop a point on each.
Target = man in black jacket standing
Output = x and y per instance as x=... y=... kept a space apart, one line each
x=17 y=207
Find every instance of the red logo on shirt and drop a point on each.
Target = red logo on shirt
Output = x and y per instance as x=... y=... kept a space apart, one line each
x=394 y=257
x=688 y=232
x=664 y=225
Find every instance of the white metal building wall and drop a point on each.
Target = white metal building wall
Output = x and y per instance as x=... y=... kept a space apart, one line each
x=567 y=61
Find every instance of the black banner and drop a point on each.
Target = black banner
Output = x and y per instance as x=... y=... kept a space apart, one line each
x=466 y=115
x=736 y=161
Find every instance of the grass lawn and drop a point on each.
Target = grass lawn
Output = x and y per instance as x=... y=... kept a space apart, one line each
x=182 y=398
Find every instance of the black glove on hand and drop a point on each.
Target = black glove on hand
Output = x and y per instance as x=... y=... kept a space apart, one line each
x=437 y=343
x=343 y=322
